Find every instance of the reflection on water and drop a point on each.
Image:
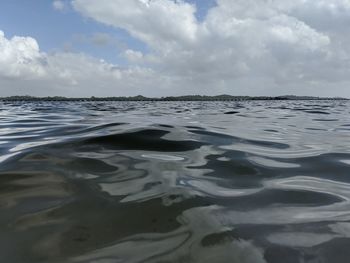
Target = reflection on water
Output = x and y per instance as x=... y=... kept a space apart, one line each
x=245 y=182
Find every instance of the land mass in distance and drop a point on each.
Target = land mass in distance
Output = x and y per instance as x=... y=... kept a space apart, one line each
x=170 y=98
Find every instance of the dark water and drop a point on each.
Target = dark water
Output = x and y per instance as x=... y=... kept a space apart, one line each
x=175 y=182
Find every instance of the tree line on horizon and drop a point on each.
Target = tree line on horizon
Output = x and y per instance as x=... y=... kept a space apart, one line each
x=169 y=98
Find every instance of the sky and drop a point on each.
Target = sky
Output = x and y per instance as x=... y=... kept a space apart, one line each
x=83 y=48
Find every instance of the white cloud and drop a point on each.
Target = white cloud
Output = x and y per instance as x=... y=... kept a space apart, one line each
x=133 y=56
x=58 y=5
x=24 y=69
x=253 y=47
x=242 y=43
x=20 y=57
x=149 y=21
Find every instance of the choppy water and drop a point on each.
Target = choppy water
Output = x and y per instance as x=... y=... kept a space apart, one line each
x=246 y=182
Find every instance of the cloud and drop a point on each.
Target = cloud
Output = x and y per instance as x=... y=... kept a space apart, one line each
x=133 y=56
x=243 y=42
x=149 y=21
x=245 y=47
x=58 y=5
x=101 y=39
x=20 y=57
x=24 y=69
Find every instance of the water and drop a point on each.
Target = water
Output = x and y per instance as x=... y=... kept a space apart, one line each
x=200 y=182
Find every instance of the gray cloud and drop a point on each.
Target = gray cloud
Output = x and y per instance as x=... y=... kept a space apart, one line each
x=245 y=47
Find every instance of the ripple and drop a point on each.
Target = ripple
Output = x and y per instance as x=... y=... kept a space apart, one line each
x=272 y=163
x=142 y=140
x=300 y=239
x=163 y=157
x=248 y=182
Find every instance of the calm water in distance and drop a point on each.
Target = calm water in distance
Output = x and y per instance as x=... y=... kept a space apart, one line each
x=238 y=182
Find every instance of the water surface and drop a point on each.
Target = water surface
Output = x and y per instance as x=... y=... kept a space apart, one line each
x=245 y=182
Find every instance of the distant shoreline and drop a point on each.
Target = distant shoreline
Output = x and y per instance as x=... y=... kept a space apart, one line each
x=170 y=98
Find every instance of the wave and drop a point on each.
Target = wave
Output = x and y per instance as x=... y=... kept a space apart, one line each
x=175 y=182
